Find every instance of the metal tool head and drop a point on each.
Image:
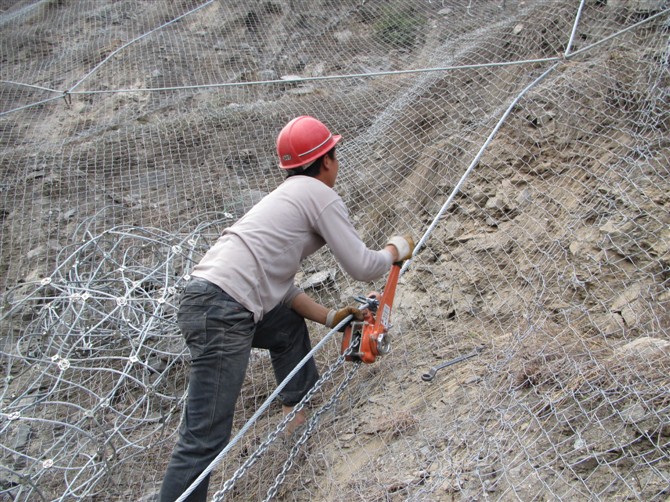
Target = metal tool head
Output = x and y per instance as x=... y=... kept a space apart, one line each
x=427 y=377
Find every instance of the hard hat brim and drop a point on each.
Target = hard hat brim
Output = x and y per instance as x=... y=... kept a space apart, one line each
x=310 y=157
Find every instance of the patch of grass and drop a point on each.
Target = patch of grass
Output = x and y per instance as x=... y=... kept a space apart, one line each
x=399 y=28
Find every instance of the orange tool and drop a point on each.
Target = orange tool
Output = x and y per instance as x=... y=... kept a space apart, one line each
x=369 y=338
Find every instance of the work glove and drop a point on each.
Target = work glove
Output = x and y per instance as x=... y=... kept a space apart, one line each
x=335 y=317
x=404 y=244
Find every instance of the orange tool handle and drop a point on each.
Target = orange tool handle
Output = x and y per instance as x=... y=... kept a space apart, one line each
x=383 y=319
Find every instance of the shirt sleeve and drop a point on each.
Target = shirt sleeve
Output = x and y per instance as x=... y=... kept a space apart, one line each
x=360 y=262
x=291 y=294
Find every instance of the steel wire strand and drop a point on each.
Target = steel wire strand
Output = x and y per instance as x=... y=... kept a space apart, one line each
x=269 y=400
x=66 y=319
x=143 y=328
x=407 y=263
x=76 y=296
x=435 y=221
x=311 y=427
x=468 y=171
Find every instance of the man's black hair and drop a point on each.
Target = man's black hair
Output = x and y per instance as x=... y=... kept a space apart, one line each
x=314 y=169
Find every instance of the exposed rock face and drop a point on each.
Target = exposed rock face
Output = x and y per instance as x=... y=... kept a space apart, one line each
x=554 y=253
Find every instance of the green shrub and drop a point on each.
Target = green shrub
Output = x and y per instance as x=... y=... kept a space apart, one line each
x=399 y=28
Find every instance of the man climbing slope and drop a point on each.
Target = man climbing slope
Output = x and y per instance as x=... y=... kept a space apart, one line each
x=242 y=295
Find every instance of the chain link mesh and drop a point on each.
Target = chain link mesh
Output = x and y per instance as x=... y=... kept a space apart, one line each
x=525 y=144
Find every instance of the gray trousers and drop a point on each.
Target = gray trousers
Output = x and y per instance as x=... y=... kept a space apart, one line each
x=220 y=333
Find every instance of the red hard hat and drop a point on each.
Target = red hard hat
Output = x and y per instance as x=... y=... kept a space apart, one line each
x=303 y=140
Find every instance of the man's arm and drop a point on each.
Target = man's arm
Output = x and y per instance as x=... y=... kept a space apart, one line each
x=359 y=261
x=309 y=309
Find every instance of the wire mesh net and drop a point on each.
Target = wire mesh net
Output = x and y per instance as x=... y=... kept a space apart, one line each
x=524 y=145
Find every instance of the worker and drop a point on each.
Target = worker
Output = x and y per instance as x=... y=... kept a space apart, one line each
x=242 y=295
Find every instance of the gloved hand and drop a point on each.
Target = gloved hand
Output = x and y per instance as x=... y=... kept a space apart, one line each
x=404 y=244
x=335 y=317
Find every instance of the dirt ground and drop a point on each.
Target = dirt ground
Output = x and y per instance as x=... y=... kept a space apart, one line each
x=551 y=259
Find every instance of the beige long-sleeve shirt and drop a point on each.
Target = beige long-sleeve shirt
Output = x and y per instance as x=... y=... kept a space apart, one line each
x=256 y=259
